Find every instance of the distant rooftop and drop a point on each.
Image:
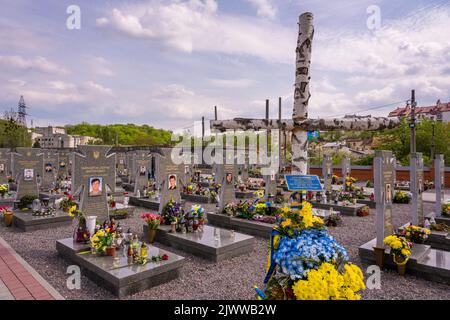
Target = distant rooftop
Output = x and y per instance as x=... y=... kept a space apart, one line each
x=427 y=110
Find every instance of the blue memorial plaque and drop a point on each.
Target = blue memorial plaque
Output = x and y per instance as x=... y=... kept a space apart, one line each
x=303 y=182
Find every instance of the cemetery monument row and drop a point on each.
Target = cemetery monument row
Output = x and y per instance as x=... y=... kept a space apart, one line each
x=28 y=169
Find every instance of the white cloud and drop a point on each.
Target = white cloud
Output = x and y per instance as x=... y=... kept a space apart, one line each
x=38 y=63
x=196 y=25
x=232 y=83
x=265 y=8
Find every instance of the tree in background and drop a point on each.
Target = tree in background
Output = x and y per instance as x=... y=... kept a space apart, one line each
x=12 y=134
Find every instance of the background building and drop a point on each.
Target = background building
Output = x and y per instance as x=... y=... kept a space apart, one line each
x=440 y=111
x=56 y=137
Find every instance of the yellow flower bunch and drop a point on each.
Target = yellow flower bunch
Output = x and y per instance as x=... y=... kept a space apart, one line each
x=326 y=283
x=259 y=194
x=308 y=218
x=286 y=223
x=399 y=246
x=72 y=210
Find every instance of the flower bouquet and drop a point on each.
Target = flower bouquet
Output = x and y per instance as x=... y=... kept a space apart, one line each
x=335 y=179
x=153 y=222
x=415 y=234
x=67 y=203
x=349 y=181
x=4 y=189
x=400 y=250
x=402 y=197
x=364 y=211
x=243 y=210
x=101 y=240
x=229 y=209
x=111 y=202
x=306 y=263
x=172 y=212
x=446 y=209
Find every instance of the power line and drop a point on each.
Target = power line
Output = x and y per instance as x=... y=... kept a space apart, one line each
x=368 y=109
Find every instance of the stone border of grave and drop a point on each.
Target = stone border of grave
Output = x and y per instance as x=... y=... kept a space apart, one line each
x=212 y=253
x=367 y=202
x=244 y=194
x=144 y=203
x=350 y=210
x=122 y=281
x=197 y=198
x=25 y=221
x=254 y=228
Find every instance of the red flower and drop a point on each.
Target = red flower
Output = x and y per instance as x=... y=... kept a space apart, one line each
x=165 y=257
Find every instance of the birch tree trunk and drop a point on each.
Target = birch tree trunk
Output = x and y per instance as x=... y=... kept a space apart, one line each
x=301 y=93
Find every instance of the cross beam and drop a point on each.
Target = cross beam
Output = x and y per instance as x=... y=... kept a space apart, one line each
x=300 y=124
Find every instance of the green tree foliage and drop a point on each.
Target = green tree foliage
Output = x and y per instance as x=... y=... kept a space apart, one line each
x=398 y=140
x=12 y=134
x=126 y=134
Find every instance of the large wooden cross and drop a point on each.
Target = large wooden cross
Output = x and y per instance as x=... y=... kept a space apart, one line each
x=300 y=124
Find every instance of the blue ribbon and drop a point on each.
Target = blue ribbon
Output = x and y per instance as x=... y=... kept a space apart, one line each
x=272 y=265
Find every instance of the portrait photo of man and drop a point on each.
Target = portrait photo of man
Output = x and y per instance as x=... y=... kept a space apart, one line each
x=2 y=168
x=142 y=170
x=62 y=164
x=229 y=178
x=388 y=195
x=95 y=186
x=28 y=174
x=172 y=182
x=48 y=167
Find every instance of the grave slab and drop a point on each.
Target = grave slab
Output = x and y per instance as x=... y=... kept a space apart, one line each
x=245 y=194
x=424 y=262
x=148 y=203
x=116 y=275
x=367 y=202
x=214 y=244
x=254 y=228
x=350 y=210
x=196 y=198
x=121 y=212
x=25 y=221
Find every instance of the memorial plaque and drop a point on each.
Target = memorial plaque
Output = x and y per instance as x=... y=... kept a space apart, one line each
x=271 y=185
x=303 y=183
x=51 y=168
x=439 y=182
x=5 y=165
x=172 y=176
x=384 y=177
x=64 y=164
x=94 y=170
x=141 y=164
x=28 y=167
x=227 y=193
x=417 y=187
x=121 y=159
x=327 y=173
x=346 y=168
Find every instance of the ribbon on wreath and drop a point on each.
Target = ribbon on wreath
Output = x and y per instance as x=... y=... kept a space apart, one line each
x=271 y=265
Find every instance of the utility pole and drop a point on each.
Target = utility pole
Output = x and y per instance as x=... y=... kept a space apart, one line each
x=267 y=131
x=412 y=123
x=433 y=142
x=215 y=113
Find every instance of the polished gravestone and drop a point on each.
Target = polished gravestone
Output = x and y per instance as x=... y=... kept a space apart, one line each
x=197 y=198
x=424 y=262
x=121 y=211
x=248 y=194
x=213 y=244
x=254 y=228
x=26 y=221
x=348 y=210
x=115 y=274
x=149 y=203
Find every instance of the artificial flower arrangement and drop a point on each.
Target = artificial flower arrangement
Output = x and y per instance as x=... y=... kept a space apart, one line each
x=111 y=202
x=229 y=209
x=415 y=234
x=346 y=196
x=446 y=209
x=172 y=212
x=333 y=220
x=4 y=188
x=102 y=239
x=400 y=248
x=335 y=179
x=153 y=220
x=369 y=184
x=402 y=197
x=306 y=263
x=349 y=181
x=364 y=211
x=67 y=202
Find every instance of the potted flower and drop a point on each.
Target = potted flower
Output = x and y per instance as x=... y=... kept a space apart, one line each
x=333 y=220
x=402 y=197
x=415 y=234
x=229 y=209
x=3 y=189
x=8 y=215
x=364 y=211
x=400 y=250
x=153 y=222
x=102 y=242
x=446 y=209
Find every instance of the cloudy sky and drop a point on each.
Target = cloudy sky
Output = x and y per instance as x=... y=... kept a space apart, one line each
x=168 y=62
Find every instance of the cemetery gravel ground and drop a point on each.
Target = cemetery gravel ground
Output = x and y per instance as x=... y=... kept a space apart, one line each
x=230 y=279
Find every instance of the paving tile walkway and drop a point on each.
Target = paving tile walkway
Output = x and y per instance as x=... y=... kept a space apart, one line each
x=19 y=281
